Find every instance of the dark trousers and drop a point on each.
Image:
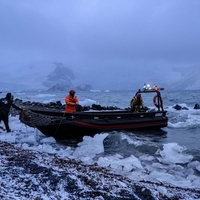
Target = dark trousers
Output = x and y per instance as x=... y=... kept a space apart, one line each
x=4 y=118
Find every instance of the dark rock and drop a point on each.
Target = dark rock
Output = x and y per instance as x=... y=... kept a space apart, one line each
x=74 y=179
x=112 y=108
x=177 y=107
x=85 y=108
x=196 y=106
x=96 y=107
x=59 y=103
x=56 y=106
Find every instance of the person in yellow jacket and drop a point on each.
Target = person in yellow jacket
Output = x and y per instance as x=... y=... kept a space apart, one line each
x=137 y=103
x=71 y=102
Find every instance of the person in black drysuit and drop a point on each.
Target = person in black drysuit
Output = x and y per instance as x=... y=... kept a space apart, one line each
x=5 y=104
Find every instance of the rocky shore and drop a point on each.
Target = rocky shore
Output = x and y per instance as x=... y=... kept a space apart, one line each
x=33 y=175
x=58 y=106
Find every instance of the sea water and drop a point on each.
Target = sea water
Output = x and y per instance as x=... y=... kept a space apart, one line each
x=183 y=125
x=170 y=155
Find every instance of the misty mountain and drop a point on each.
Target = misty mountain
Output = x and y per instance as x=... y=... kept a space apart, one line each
x=56 y=76
x=35 y=76
x=190 y=78
x=60 y=75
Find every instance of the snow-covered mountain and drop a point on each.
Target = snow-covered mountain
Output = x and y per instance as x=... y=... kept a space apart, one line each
x=190 y=78
x=36 y=76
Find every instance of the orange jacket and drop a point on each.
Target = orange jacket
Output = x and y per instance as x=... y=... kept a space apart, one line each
x=70 y=103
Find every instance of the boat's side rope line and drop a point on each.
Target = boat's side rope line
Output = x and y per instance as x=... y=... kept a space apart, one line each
x=59 y=124
x=34 y=119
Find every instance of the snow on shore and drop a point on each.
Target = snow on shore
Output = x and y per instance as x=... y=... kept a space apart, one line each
x=27 y=174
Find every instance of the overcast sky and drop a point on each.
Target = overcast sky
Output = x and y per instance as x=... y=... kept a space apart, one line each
x=119 y=36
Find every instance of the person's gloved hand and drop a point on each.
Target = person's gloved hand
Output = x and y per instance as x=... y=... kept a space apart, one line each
x=76 y=106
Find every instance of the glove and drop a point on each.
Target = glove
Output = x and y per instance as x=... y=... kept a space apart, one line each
x=76 y=106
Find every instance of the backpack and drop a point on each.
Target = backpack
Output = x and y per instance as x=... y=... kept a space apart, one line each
x=4 y=106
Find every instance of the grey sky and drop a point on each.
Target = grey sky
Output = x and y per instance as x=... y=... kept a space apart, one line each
x=106 y=35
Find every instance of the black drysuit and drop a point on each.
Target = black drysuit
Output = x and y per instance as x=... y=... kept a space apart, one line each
x=5 y=105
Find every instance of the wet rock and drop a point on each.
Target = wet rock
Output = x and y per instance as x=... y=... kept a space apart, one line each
x=41 y=173
x=196 y=106
x=178 y=107
x=97 y=107
x=57 y=106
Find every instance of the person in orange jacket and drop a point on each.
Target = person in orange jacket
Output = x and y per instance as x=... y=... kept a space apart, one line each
x=71 y=102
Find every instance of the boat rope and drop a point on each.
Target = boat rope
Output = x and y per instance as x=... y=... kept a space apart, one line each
x=36 y=119
x=59 y=124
